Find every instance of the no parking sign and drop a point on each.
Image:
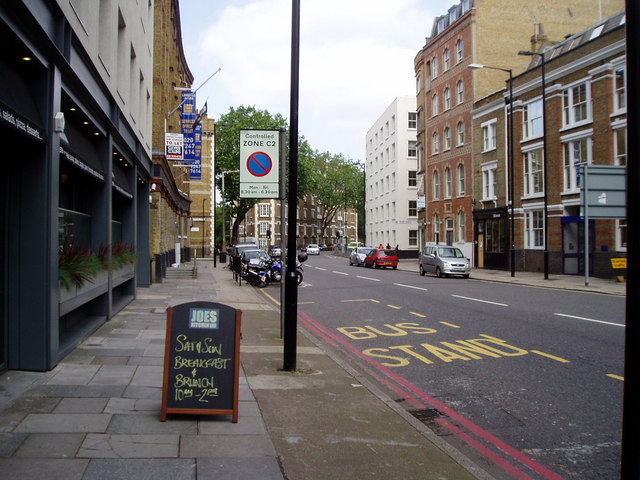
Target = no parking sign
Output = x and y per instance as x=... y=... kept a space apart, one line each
x=259 y=164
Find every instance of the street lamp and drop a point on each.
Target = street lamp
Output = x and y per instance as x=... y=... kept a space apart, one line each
x=213 y=169
x=511 y=173
x=204 y=224
x=223 y=173
x=544 y=155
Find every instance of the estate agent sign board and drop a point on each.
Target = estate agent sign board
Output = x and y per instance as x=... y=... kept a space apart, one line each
x=201 y=360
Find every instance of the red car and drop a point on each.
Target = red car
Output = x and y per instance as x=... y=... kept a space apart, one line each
x=381 y=257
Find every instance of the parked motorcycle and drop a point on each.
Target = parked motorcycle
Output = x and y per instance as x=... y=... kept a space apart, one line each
x=275 y=269
x=257 y=273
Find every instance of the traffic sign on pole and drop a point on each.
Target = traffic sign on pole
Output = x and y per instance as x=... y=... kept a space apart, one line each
x=259 y=164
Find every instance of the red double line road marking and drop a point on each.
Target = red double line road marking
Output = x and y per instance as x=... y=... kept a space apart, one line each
x=512 y=452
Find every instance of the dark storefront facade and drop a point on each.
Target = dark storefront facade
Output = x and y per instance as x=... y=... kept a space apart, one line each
x=74 y=176
x=491 y=242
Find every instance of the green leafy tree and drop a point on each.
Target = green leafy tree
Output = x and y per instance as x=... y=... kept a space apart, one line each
x=337 y=184
x=228 y=155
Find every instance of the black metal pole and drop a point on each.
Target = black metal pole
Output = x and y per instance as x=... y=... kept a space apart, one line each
x=213 y=215
x=203 y=228
x=545 y=162
x=291 y=286
x=511 y=175
x=630 y=469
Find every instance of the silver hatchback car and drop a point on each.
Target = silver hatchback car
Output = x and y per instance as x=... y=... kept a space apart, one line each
x=444 y=260
x=358 y=255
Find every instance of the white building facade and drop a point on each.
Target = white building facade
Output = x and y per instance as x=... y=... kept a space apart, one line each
x=391 y=177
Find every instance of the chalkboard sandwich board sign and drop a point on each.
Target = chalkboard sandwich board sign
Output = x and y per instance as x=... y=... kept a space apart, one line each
x=201 y=360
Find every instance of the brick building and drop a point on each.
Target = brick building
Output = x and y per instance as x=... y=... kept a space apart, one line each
x=170 y=201
x=484 y=32
x=585 y=96
x=262 y=224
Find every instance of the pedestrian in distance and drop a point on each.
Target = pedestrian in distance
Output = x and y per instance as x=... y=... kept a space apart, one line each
x=388 y=246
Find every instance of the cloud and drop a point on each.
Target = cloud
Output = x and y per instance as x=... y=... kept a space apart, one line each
x=356 y=56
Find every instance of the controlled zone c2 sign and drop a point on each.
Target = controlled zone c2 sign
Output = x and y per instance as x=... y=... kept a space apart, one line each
x=259 y=164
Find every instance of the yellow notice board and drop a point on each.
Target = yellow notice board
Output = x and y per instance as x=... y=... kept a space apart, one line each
x=618 y=263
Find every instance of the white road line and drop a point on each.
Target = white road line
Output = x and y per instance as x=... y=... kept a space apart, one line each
x=589 y=319
x=320 y=268
x=368 y=278
x=479 y=300
x=410 y=286
x=339 y=273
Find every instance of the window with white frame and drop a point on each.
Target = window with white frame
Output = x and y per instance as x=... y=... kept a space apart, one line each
x=619 y=89
x=434 y=67
x=460 y=91
x=533 y=172
x=534 y=229
x=620 y=146
x=621 y=235
x=447 y=183
x=576 y=104
x=413 y=208
x=412 y=120
x=462 y=230
x=461 y=180
x=418 y=83
x=447 y=99
x=447 y=138
x=413 y=178
x=435 y=108
x=489 y=135
x=264 y=209
x=532 y=119
x=264 y=226
x=460 y=133
x=436 y=185
x=435 y=143
x=436 y=228
x=575 y=152
x=413 y=238
x=489 y=180
x=459 y=51
x=411 y=149
x=446 y=60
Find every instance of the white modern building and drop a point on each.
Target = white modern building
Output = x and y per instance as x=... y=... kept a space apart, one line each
x=392 y=180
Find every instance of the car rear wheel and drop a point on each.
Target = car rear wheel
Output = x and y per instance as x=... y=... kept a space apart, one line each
x=422 y=272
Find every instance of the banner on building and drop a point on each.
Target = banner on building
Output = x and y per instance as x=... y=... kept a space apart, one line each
x=192 y=136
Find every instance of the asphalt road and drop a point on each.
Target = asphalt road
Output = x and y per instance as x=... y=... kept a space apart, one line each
x=525 y=381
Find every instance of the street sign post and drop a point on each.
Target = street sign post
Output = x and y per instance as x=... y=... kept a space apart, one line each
x=259 y=164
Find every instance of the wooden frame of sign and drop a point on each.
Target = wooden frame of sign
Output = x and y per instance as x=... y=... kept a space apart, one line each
x=201 y=360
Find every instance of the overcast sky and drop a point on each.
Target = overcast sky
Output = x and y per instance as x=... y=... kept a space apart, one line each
x=356 y=57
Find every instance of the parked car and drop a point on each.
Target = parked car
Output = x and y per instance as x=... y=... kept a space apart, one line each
x=275 y=251
x=358 y=255
x=323 y=247
x=313 y=249
x=444 y=261
x=256 y=253
x=381 y=257
x=330 y=247
x=239 y=247
x=353 y=245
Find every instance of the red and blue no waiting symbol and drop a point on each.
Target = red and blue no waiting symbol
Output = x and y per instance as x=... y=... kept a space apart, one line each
x=259 y=164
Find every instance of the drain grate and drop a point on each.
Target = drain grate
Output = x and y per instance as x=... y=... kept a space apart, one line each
x=427 y=414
